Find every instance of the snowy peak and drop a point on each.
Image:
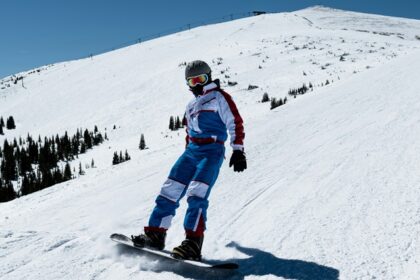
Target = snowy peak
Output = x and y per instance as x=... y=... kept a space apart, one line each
x=328 y=18
x=320 y=8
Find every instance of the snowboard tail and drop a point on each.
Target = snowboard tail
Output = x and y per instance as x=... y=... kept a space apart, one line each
x=122 y=239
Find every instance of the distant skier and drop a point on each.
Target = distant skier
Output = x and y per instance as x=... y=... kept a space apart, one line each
x=208 y=118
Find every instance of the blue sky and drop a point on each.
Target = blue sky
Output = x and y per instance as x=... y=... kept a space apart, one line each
x=38 y=32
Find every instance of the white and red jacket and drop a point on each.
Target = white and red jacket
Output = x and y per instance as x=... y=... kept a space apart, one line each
x=209 y=116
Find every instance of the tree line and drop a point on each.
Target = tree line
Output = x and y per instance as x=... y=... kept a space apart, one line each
x=34 y=164
x=301 y=90
x=175 y=123
x=120 y=158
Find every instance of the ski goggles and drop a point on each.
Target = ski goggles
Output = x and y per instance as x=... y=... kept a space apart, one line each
x=197 y=80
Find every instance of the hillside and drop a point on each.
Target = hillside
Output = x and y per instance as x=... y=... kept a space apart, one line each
x=332 y=182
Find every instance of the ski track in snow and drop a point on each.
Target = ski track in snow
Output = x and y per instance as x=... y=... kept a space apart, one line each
x=331 y=189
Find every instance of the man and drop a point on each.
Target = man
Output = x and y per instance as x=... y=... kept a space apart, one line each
x=208 y=117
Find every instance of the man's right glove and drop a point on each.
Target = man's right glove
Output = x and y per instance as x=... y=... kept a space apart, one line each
x=238 y=160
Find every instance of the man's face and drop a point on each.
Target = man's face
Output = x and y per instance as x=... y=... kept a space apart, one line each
x=197 y=83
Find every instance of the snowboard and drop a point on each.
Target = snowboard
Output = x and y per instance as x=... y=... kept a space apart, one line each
x=122 y=239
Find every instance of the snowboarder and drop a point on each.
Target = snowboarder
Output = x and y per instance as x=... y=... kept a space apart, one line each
x=208 y=117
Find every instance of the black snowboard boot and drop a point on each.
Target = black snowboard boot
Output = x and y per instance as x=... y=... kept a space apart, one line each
x=151 y=238
x=190 y=249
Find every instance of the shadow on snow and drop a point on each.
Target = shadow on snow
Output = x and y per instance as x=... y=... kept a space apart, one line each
x=259 y=263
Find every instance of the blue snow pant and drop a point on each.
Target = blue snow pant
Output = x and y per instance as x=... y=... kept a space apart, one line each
x=194 y=175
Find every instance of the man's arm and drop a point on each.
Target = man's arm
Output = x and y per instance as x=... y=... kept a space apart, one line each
x=233 y=121
x=185 y=124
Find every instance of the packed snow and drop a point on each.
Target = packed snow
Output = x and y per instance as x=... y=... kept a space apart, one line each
x=332 y=185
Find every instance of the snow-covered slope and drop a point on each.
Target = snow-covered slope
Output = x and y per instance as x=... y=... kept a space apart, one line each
x=332 y=184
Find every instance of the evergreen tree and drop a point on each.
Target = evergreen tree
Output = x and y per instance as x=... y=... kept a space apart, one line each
x=88 y=139
x=265 y=98
x=34 y=182
x=26 y=187
x=8 y=166
x=67 y=172
x=47 y=179
x=171 y=123
x=57 y=176
x=83 y=148
x=75 y=145
x=1 y=130
x=47 y=160
x=66 y=146
x=177 y=123
x=33 y=152
x=1 y=122
x=10 y=123
x=81 y=172
x=142 y=144
x=24 y=163
x=127 y=156
x=184 y=120
x=273 y=103
x=15 y=143
x=7 y=192
x=92 y=164
x=115 y=159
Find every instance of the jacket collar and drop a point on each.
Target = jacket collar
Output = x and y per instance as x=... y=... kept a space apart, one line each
x=209 y=87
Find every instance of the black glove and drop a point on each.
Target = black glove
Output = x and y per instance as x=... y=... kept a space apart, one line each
x=238 y=160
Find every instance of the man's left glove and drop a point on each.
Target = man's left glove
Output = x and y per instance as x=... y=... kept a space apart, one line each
x=238 y=160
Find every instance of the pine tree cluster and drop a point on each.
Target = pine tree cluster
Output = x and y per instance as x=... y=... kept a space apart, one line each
x=10 y=124
x=175 y=123
x=34 y=164
x=276 y=103
x=300 y=91
x=120 y=158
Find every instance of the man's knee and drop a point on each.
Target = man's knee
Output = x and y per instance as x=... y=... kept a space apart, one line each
x=172 y=190
x=198 y=189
